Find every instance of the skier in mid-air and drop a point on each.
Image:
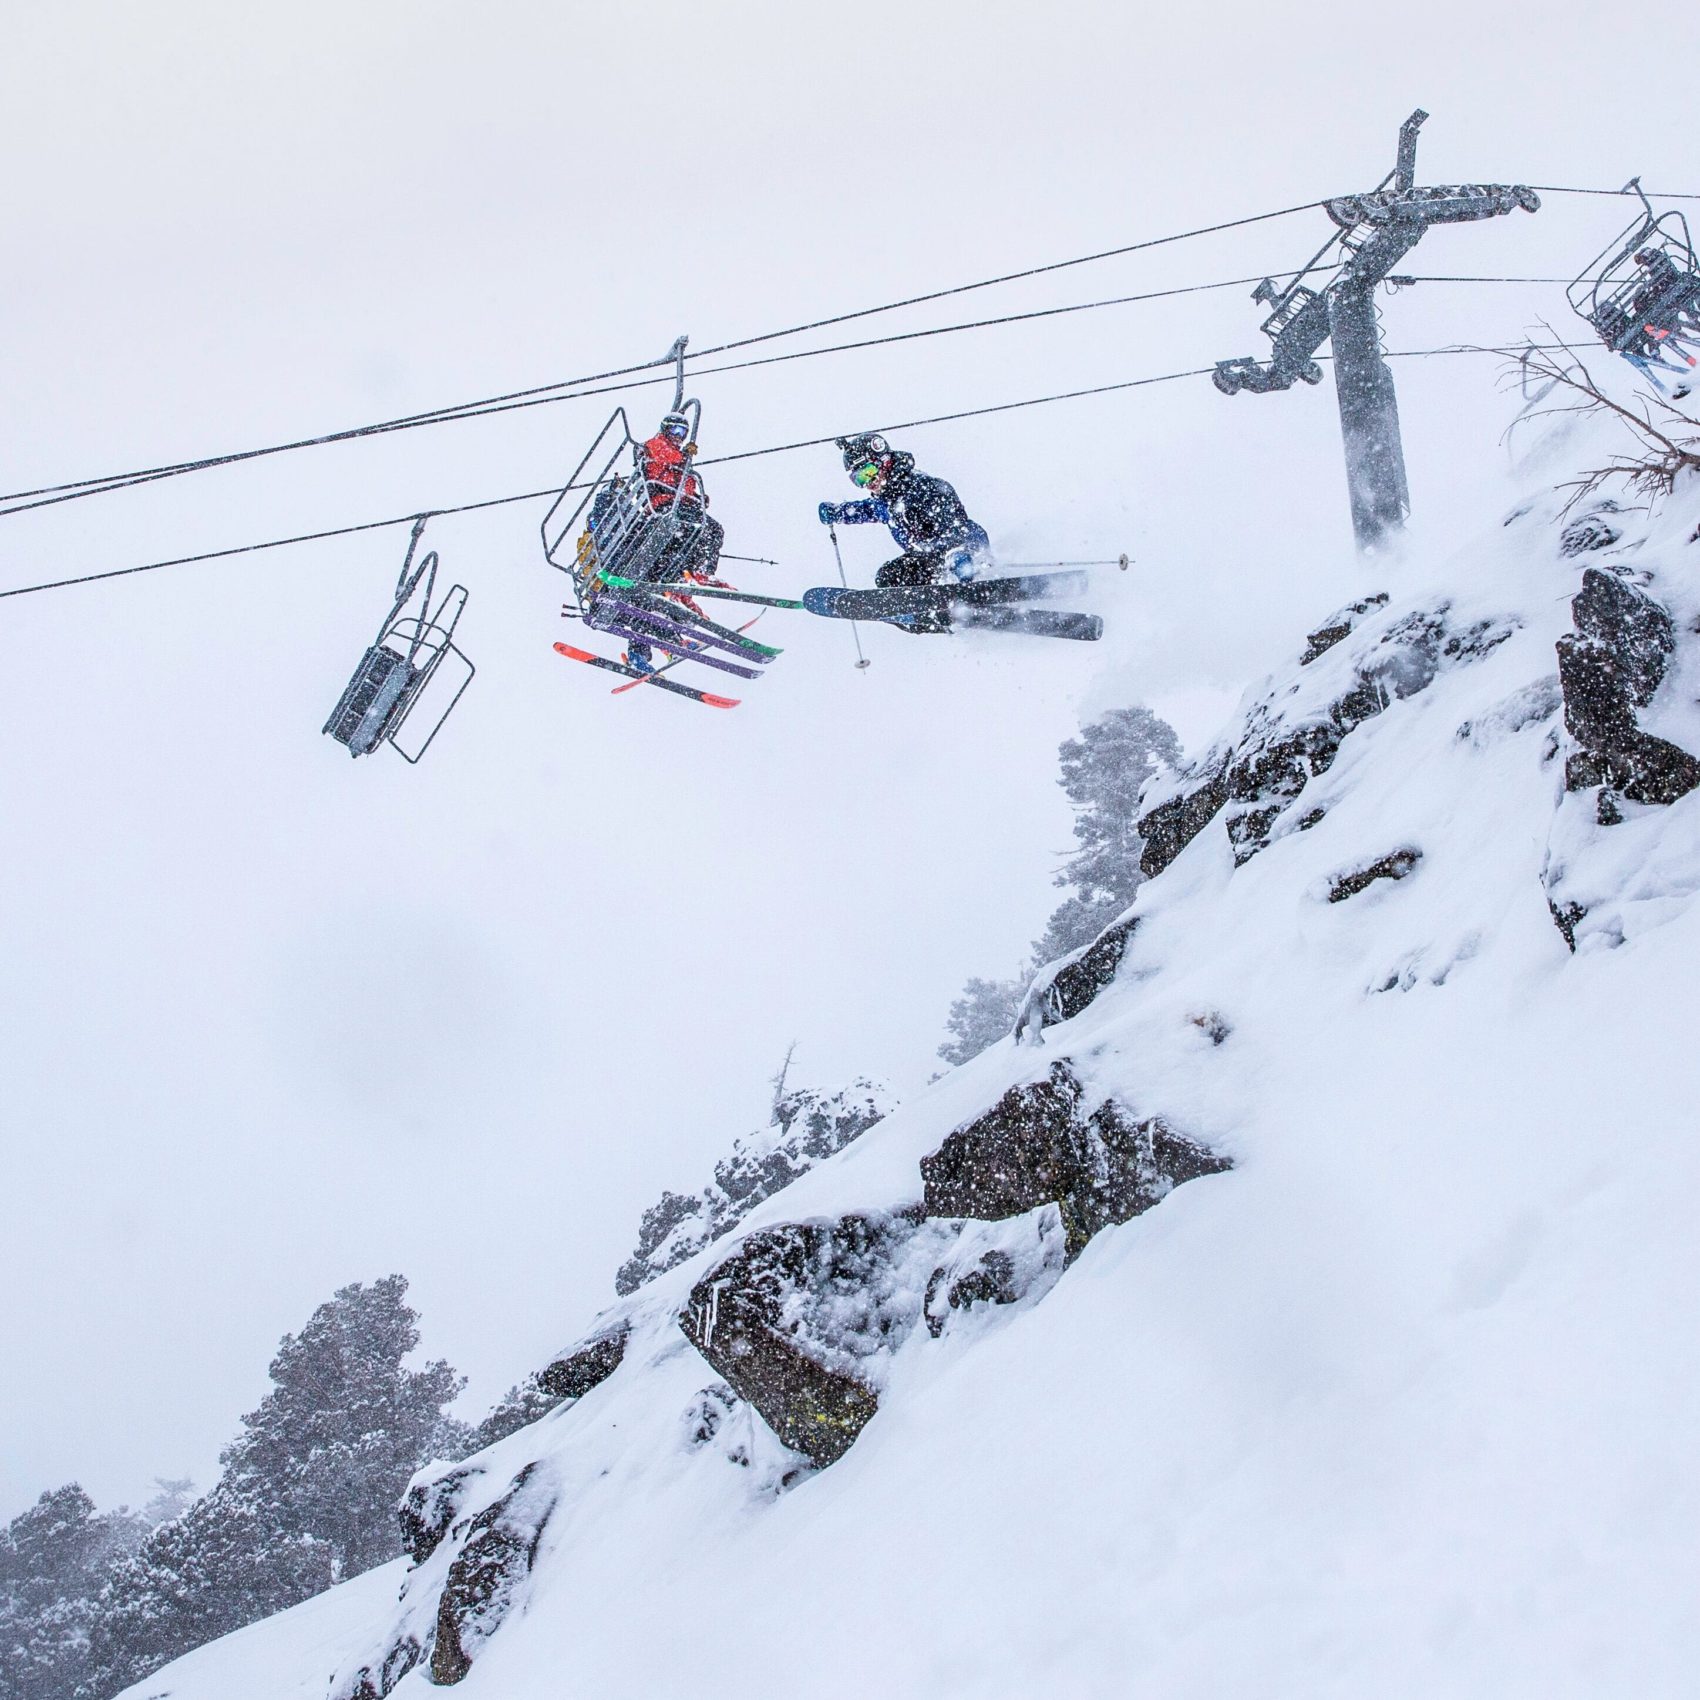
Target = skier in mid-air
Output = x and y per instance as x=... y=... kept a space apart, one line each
x=694 y=549
x=924 y=514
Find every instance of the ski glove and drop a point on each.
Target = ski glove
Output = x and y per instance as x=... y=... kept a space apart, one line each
x=828 y=513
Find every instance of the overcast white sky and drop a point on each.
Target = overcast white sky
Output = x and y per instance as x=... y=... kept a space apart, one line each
x=271 y=1020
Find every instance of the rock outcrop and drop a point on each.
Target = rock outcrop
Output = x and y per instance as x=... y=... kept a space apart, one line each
x=791 y=1318
x=1039 y=1144
x=494 y=1559
x=1289 y=737
x=1609 y=668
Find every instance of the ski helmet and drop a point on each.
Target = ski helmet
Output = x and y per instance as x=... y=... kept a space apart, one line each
x=866 y=446
x=675 y=425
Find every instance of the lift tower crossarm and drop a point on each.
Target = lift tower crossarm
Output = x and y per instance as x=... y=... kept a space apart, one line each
x=1376 y=231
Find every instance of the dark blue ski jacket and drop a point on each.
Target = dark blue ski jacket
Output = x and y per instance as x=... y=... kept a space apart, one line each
x=924 y=514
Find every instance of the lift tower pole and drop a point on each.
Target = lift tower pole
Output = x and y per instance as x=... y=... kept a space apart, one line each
x=1376 y=231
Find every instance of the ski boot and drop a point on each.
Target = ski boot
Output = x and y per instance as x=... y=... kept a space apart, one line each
x=639 y=657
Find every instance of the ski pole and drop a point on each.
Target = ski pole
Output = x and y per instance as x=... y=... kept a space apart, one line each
x=861 y=659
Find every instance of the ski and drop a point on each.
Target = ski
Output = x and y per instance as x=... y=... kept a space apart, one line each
x=666 y=618
x=1035 y=622
x=667 y=667
x=673 y=646
x=713 y=701
x=724 y=591
x=836 y=603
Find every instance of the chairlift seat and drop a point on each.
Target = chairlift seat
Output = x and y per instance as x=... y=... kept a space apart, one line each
x=377 y=696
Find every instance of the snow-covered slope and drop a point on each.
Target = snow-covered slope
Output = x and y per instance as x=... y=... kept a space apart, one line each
x=1393 y=1405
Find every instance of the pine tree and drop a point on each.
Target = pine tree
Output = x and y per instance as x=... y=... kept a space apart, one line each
x=308 y=1495
x=54 y=1559
x=1103 y=771
x=331 y=1447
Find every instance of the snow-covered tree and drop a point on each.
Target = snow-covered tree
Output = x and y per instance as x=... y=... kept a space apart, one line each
x=54 y=1559
x=331 y=1447
x=1103 y=772
x=308 y=1495
x=806 y=1126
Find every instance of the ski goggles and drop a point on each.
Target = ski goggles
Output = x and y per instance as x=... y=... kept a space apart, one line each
x=678 y=429
x=864 y=475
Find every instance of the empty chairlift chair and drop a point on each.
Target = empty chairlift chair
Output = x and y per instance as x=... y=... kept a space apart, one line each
x=396 y=672
x=1642 y=294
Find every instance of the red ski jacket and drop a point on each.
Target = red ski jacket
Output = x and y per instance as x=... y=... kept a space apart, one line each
x=664 y=463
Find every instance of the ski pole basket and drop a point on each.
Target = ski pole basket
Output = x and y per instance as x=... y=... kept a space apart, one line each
x=397 y=670
x=1642 y=293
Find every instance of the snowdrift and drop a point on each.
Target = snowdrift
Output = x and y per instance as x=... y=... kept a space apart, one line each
x=1301 y=1304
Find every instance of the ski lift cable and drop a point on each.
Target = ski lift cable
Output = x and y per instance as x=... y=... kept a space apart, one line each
x=476 y=409
x=123 y=480
x=719 y=460
x=1655 y=194
x=53 y=495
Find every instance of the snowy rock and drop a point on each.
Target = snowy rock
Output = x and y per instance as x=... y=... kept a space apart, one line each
x=1396 y=865
x=1040 y=1145
x=1338 y=626
x=1612 y=666
x=1593 y=530
x=996 y=1263
x=1064 y=988
x=796 y=1318
x=571 y=1375
x=488 y=1572
x=431 y=1505
x=1173 y=824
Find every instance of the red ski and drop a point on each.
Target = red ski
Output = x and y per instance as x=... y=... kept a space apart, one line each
x=632 y=673
x=668 y=666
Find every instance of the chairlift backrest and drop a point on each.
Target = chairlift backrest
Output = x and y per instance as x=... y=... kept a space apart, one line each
x=622 y=522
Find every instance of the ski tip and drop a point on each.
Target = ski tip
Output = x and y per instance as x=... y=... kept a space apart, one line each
x=719 y=702
x=820 y=600
x=576 y=654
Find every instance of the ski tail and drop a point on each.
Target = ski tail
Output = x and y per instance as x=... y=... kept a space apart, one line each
x=1035 y=622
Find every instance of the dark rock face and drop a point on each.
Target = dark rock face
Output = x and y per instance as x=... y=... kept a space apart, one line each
x=1170 y=827
x=788 y=1316
x=1611 y=666
x=1398 y=865
x=1594 y=530
x=1036 y=1146
x=486 y=1575
x=1339 y=625
x=587 y=1366
x=990 y=1281
x=430 y=1508
x=373 y=1684
x=570 y=1376
x=1276 y=758
x=1067 y=987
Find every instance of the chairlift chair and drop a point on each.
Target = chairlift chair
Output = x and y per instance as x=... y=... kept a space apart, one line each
x=621 y=525
x=396 y=671
x=1642 y=293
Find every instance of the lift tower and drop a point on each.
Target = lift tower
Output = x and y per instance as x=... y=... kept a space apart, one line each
x=1376 y=231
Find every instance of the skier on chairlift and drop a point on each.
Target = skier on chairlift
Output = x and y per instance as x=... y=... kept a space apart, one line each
x=694 y=551
x=924 y=514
